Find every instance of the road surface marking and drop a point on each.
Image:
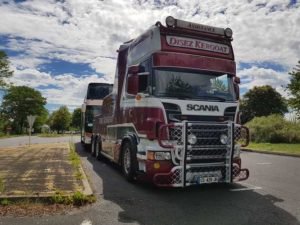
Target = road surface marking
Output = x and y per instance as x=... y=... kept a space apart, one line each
x=86 y=222
x=264 y=163
x=248 y=188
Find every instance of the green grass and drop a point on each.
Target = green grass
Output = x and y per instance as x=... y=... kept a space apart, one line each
x=2 y=186
x=270 y=147
x=75 y=161
x=52 y=135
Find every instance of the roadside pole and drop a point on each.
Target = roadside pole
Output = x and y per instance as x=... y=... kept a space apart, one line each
x=30 y=120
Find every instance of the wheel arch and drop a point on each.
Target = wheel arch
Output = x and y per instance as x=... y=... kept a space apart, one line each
x=131 y=138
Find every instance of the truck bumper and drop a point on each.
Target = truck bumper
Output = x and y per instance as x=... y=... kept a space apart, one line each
x=166 y=174
x=198 y=154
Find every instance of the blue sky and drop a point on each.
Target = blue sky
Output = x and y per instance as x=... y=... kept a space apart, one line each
x=58 y=47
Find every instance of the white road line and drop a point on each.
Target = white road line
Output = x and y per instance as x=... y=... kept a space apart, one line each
x=248 y=187
x=86 y=222
x=264 y=163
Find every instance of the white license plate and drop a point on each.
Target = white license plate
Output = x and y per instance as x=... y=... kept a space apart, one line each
x=207 y=180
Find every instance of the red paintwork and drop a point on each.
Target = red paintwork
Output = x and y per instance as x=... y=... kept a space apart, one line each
x=165 y=59
x=165 y=167
x=144 y=119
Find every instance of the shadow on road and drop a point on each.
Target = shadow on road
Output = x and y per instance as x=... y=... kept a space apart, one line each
x=210 y=204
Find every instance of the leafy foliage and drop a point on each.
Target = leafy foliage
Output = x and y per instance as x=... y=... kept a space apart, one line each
x=5 y=71
x=218 y=85
x=76 y=118
x=20 y=102
x=262 y=101
x=274 y=129
x=294 y=88
x=176 y=85
x=60 y=120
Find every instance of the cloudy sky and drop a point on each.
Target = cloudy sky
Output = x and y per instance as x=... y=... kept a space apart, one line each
x=58 y=47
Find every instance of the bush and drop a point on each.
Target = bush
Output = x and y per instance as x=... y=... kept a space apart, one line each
x=274 y=129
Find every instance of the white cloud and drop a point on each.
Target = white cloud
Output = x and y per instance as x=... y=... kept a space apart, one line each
x=90 y=32
x=65 y=89
x=255 y=76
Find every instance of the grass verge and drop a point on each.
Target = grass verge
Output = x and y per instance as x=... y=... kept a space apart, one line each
x=280 y=148
x=75 y=161
x=53 y=135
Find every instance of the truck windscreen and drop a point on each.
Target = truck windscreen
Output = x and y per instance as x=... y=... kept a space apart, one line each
x=97 y=91
x=188 y=84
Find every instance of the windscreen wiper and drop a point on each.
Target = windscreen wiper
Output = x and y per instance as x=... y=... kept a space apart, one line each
x=213 y=97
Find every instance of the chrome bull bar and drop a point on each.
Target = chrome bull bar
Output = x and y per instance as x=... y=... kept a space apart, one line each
x=205 y=161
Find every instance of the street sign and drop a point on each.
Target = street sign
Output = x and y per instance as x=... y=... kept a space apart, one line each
x=30 y=120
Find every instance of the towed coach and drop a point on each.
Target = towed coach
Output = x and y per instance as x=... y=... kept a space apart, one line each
x=172 y=117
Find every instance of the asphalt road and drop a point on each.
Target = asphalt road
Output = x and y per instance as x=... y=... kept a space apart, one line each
x=269 y=196
x=23 y=140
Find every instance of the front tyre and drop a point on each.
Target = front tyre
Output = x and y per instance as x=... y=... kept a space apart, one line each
x=129 y=161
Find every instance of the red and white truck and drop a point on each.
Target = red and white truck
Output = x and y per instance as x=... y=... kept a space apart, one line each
x=173 y=115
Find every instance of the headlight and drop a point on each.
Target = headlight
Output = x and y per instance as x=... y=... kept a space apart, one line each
x=223 y=139
x=192 y=139
x=158 y=155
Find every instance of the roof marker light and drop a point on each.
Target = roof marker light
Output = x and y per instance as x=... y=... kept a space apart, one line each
x=170 y=21
x=228 y=32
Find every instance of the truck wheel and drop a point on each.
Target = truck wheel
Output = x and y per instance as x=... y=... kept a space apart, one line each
x=87 y=147
x=129 y=161
x=93 y=146
x=98 y=149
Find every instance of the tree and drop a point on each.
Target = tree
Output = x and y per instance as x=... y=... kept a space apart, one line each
x=60 y=120
x=262 y=101
x=5 y=71
x=76 y=118
x=20 y=102
x=294 y=88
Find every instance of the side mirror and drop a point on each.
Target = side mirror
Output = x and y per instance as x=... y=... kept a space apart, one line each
x=237 y=91
x=132 y=84
x=236 y=80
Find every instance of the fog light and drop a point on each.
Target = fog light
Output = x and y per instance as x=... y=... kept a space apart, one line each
x=162 y=155
x=170 y=21
x=156 y=165
x=224 y=139
x=152 y=155
x=192 y=139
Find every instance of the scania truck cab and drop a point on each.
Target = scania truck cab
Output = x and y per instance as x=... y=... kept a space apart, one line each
x=173 y=116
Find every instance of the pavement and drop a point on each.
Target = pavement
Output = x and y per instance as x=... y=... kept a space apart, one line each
x=38 y=170
x=269 y=196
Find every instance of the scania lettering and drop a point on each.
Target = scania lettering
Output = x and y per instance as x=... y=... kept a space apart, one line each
x=173 y=115
x=202 y=107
